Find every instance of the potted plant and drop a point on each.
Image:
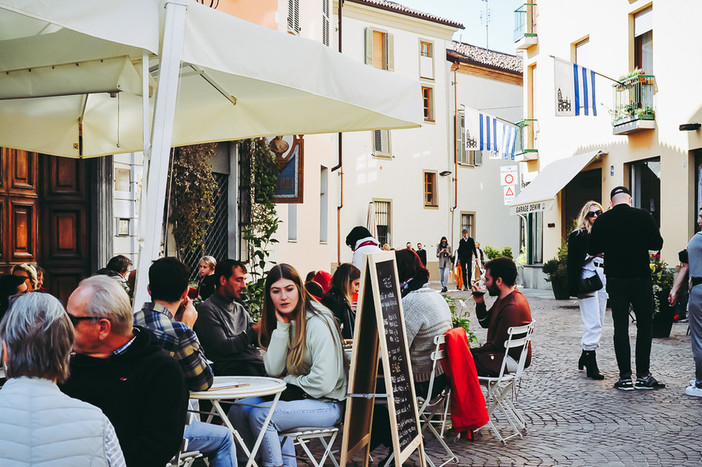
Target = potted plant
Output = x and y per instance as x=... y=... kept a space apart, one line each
x=557 y=271
x=662 y=280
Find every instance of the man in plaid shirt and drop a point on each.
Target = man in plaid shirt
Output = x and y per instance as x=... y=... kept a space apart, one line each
x=170 y=316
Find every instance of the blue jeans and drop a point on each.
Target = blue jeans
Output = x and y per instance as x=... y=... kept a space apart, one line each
x=287 y=415
x=213 y=441
x=443 y=276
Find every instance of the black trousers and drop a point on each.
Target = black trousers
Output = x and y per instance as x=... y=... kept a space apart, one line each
x=467 y=270
x=637 y=292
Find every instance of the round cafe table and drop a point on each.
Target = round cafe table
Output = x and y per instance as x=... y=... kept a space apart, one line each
x=234 y=388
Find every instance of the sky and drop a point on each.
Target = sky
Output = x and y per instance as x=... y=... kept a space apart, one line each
x=468 y=12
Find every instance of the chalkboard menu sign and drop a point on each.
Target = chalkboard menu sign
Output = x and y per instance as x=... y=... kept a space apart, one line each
x=379 y=313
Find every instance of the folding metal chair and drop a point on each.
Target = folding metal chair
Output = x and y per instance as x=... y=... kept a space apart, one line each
x=438 y=406
x=183 y=457
x=501 y=389
x=303 y=435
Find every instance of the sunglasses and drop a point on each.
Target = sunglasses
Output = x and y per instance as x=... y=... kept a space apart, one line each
x=593 y=213
x=77 y=319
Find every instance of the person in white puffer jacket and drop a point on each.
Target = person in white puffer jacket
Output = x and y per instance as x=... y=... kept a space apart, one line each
x=38 y=423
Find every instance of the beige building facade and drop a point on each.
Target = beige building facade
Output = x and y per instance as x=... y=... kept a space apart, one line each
x=646 y=133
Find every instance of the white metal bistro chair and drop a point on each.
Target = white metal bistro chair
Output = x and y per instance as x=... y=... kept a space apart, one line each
x=183 y=457
x=501 y=389
x=434 y=411
x=302 y=436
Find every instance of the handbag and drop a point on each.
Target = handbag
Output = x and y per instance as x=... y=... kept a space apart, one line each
x=590 y=284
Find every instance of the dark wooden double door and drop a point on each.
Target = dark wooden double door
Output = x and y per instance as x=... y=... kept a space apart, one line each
x=45 y=206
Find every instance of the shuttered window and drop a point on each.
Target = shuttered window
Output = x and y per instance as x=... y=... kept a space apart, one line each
x=381 y=143
x=379 y=49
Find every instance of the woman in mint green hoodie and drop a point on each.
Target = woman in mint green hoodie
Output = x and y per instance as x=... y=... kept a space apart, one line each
x=303 y=346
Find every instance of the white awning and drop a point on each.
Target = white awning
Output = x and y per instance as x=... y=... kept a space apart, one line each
x=540 y=193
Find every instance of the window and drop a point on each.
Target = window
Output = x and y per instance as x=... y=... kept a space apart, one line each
x=534 y=240
x=582 y=53
x=426 y=60
x=324 y=205
x=382 y=219
x=381 y=143
x=465 y=156
x=292 y=222
x=325 y=22
x=294 y=17
x=430 y=198
x=428 y=100
x=643 y=40
x=645 y=181
x=379 y=49
x=467 y=223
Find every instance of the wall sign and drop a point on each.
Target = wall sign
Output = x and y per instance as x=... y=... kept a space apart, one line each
x=289 y=152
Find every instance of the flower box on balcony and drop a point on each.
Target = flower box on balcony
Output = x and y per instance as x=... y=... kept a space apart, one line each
x=633 y=103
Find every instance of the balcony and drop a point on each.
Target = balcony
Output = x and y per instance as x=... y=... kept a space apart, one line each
x=633 y=104
x=524 y=149
x=525 y=26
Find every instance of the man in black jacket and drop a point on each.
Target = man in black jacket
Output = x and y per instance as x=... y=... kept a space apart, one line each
x=625 y=235
x=122 y=370
x=224 y=327
x=466 y=251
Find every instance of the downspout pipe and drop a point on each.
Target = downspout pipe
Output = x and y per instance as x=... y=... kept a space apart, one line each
x=454 y=67
x=339 y=166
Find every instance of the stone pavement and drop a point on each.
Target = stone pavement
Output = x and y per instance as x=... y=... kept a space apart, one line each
x=573 y=420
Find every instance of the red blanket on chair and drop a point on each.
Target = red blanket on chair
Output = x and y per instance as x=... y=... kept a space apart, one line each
x=468 y=410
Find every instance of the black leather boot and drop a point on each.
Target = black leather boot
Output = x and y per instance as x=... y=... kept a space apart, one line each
x=581 y=362
x=590 y=362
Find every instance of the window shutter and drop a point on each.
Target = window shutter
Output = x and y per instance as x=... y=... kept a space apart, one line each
x=369 y=46
x=390 y=49
x=294 y=16
x=478 y=158
x=377 y=141
x=643 y=22
x=325 y=22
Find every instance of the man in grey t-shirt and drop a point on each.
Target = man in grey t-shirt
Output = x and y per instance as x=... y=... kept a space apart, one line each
x=224 y=327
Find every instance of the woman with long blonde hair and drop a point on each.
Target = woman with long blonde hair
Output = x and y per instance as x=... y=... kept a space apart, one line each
x=592 y=304
x=304 y=347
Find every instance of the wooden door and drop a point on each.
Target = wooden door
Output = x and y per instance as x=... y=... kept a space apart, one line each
x=65 y=212
x=18 y=208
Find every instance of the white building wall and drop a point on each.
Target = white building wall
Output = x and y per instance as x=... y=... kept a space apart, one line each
x=479 y=189
x=678 y=100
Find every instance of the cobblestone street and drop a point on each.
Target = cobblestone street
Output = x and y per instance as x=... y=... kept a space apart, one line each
x=573 y=420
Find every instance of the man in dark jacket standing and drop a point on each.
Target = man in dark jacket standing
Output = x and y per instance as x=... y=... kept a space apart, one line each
x=625 y=234
x=466 y=250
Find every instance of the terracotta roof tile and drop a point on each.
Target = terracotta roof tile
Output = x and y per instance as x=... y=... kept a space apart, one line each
x=403 y=10
x=479 y=56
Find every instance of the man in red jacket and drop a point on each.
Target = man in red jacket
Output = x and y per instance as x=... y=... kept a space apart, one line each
x=510 y=309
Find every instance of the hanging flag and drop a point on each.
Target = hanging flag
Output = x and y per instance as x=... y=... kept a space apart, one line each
x=574 y=89
x=484 y=132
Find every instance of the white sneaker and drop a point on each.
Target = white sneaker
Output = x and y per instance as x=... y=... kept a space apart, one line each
x=693 y=391
x=692 y=382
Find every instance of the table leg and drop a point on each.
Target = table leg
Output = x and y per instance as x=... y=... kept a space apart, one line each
x=254 y=450
x=235 y=433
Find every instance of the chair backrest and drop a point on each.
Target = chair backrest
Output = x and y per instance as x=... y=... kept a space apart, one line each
x=437 y=356
x=518 y=337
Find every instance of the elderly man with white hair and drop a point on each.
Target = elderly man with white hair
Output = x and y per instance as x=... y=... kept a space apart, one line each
x=123 y=370
x=38 y=423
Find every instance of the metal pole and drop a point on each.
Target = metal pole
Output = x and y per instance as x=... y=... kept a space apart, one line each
x=161 y=136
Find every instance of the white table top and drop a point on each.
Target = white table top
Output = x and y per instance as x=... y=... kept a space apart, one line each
x=251 y=386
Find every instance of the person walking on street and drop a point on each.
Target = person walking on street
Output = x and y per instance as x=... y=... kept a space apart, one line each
x=691 y=260
x=443 y=252
x=466 y=251
x=422 y=253
x=592 y=303
x=625 y=235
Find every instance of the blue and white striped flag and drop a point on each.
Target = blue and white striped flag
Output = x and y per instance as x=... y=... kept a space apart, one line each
x=485 y=132
x=574 y=91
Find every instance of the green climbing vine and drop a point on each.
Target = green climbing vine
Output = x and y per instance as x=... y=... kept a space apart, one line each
x=263 y=223
x=193 y=189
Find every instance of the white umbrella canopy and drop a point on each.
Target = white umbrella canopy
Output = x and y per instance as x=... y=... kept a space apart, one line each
x=69 y=73
x=70 y=79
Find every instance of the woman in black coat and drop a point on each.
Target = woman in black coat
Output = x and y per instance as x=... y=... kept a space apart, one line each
x=344 y=284
x=592 y=304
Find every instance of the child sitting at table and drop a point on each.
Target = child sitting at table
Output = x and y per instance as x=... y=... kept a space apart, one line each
x=304 y=346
